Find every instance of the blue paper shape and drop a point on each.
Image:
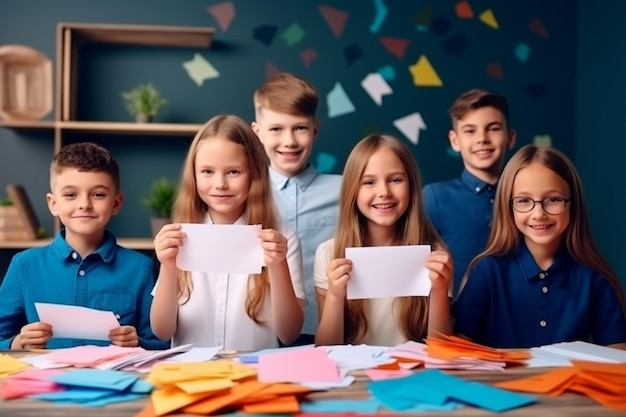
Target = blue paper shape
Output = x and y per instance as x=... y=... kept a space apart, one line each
x=522 y=51
x=352 y=53
x=95 y=378
x=369 y=406
x=380 y=16
x=387 y=72
x=264 y=34
x=338 y=102
x=325 y=162
x=488 y=397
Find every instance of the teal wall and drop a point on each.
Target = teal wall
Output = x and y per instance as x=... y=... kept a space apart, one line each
x=552 y=91
x=600 y=130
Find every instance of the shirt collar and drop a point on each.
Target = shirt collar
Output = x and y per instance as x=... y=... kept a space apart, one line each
x=556 y=272
x=106 y=250
x=302 y=180
x=474 y=183
x=240 y=220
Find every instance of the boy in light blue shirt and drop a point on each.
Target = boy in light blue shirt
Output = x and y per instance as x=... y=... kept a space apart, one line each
x=308 y=202
x=83 y=265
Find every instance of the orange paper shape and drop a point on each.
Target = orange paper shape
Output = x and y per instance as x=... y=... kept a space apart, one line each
x=553 y=383
x=464 y=10
x=224 y=399
x=287 y=404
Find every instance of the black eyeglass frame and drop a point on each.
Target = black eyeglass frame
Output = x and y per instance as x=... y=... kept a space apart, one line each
x=543 y=207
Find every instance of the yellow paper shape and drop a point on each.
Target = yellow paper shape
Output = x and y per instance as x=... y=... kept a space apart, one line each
x=9 y=365
x=205 y=385
x=489 y=19
x=424 y=75
x=166 y=400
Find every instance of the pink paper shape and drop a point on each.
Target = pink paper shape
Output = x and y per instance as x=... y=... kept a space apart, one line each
x=224 y=13
x=335 y=18
x=307 y=56
x=395 y=46
x=538 y=28
x=378 y=374
x=494 y=69
x=298 y=365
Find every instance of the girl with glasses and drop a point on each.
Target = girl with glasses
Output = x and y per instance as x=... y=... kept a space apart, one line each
x=541 y=279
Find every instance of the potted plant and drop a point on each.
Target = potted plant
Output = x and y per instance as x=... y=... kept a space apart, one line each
x=160 y=200
x=144 y=102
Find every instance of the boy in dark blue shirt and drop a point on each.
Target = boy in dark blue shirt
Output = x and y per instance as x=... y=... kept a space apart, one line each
x=83 y=265
x=462 y=209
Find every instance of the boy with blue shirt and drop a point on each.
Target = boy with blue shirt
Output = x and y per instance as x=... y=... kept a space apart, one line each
x=83 y=265
x=308 y=202
x=462 y=209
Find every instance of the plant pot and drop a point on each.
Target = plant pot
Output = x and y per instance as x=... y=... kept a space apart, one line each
x=156 y=223
x=143 y=118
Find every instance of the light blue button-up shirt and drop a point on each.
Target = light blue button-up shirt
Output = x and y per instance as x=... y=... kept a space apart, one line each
x=111 y=278
x=309 y=205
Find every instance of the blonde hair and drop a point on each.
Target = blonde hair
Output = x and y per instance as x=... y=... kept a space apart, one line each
x=260 y=209
x=505 y=237
x=286 y=93
x=412 y=228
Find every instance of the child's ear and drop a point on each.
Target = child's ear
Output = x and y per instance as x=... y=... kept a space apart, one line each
x=117 y=203
x=454 y=140
x=512 y=137
x=52 y=203
x=255 y=127
x=316 y=128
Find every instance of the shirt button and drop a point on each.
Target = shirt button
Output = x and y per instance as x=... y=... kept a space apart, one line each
x=491 y=200
x=477 y=189
x=220 y=343
x=74 y=255
x=81 y=273
x=542 y=275
x=544 y=290
x=543 y=323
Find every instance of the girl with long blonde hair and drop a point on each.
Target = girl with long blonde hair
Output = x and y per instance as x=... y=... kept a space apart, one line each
x=224 y=180
x=380 y=206
x=541 y=279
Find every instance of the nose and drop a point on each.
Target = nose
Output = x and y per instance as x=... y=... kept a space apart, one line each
x=538 y=210
x=383 y=190
x=289 y=139
x=84 y=204
x=220 y=182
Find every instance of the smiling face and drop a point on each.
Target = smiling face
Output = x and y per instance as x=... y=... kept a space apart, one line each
x=288 y=139
x=383 y=195
x=222 y=178
x=84 y=201
x=482 y=137
x=542 y=232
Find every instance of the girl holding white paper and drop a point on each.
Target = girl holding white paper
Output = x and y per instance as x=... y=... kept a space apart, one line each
x=225 y=180
x=380 y=206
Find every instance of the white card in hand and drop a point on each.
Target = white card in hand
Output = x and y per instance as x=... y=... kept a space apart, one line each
x=76 y=322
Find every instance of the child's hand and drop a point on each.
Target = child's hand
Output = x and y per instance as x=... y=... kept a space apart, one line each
x=274 y=246
x=167 y=242
x=440 y=267
x=125 y=336
x=338 y=276
x=33 y=336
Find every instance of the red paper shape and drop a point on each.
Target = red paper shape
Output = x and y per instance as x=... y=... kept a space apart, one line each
x=335 y=18
x=395 y=46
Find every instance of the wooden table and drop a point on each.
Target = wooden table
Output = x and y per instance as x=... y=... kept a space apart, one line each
x=567 y=405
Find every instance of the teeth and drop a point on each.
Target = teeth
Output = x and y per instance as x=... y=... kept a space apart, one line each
x=383 y=206
x=540 y=227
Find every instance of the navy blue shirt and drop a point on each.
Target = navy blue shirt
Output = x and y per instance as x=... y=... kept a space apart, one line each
x=510 y=302
x=111 y=278
x=461 y=211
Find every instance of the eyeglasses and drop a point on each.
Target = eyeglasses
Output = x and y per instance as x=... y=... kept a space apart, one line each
x=551 y=205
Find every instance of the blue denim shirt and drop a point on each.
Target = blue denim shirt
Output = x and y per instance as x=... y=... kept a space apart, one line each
x=111 y=278
x=461 y=211
x=308 y=204
x=510 y=302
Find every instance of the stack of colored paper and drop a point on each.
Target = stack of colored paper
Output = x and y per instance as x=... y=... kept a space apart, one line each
x=208 y=387
x=9 y=365
x=602 y=382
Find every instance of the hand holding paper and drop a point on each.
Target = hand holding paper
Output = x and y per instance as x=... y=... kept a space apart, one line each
x=76 y=322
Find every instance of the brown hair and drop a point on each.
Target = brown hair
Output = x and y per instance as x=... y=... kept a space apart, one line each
x=476 y=99
x=412 y=228
x=86 y=157
x=505 y=236
x=287 y=93
x=189 y=207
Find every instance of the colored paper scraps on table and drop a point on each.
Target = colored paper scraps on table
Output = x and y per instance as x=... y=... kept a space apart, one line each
x=209 y=387
x=9 y=366
x=433 y=387
x=88 y=387
x=452 y=347
x=604 y=383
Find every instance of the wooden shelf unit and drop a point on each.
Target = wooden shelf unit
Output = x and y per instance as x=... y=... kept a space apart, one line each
x=68 y=38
